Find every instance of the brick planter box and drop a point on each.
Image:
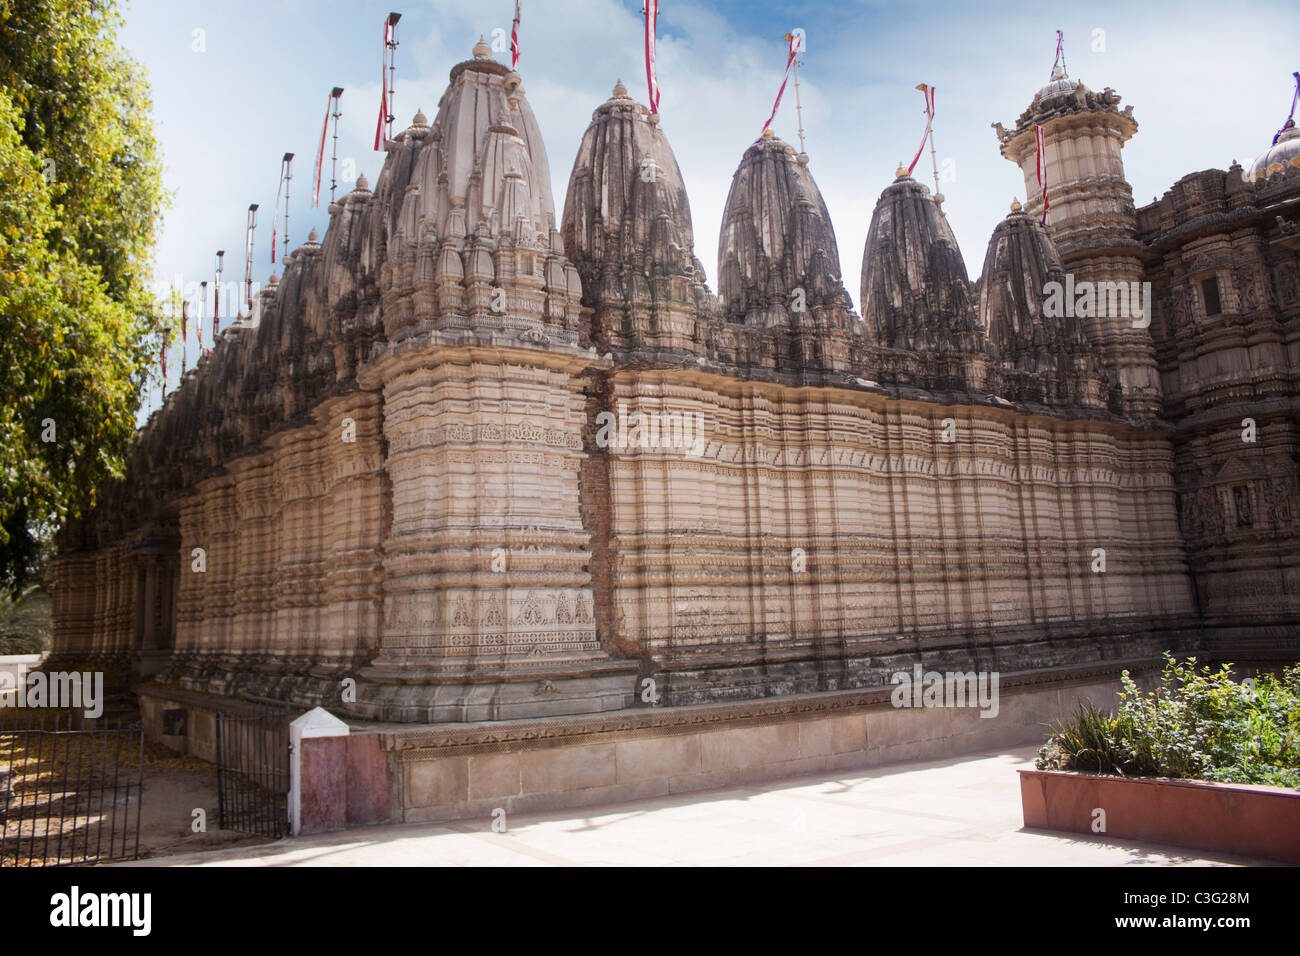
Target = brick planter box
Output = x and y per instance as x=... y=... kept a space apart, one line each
x=1226 y=818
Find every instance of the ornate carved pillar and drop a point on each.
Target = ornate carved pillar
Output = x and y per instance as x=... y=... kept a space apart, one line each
x=487 y=594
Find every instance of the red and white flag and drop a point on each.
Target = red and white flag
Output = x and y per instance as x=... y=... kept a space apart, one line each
x=1042 y=169
x=514 y=40
x=795 y=42
x=198 y=328
x=383 y=87
x=928 y=92
x=651 y=11
x=320 y=154
x=275 y=220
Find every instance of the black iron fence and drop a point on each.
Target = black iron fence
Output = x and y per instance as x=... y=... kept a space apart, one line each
x=253 y=773
x=70 y=788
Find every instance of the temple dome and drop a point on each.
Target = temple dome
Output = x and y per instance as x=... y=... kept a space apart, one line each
x=1282 y=155
x=1060 y=86
x=1062 y=97
x=627 y=228
x=466 y=208
x=1021 y=260
x=915 y=290
x=626 y=205
x=484 y=162
x=776 y=240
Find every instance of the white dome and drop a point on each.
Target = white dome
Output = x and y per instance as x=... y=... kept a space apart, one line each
x=1283 y=154
x=1058 y=87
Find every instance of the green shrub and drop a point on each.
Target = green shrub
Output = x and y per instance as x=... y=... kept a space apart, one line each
x=1198 y=725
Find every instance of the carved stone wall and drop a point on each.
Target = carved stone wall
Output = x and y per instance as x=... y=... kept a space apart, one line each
x=1229 y=369
x=818 y=536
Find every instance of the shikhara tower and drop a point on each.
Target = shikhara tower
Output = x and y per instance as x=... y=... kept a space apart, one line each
x=1091 y=216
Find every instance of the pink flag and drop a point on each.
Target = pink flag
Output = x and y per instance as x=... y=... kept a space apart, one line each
x=275 y=220
x=320 y=154
x=651 y=11
x=928 y=92
x=795 y=42
x=514 y=40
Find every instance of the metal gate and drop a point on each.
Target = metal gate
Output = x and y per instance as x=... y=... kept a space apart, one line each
x=68 y=794
x=253 y=773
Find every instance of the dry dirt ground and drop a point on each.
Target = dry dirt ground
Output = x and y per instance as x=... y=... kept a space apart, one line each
x=36 y=777
x=174 y=787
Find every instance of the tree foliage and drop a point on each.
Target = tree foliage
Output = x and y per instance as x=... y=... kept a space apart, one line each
x=79 y=214
x=25 y=622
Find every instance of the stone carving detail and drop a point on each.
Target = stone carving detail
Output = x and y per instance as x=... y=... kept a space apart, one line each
x=460 y=617
x=531 y=613
x=1287 y=283
x=1278 y=495
x=1249 y=284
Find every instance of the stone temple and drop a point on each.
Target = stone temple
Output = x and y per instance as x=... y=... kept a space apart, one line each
x=390 y=476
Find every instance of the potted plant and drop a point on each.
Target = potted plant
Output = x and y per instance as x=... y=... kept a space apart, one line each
x=1199 y=760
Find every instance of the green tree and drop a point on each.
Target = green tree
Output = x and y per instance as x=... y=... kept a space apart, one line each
x=79 y=214
x=25 y=622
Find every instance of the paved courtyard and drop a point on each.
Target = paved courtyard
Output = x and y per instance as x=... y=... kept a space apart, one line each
x=963 y=811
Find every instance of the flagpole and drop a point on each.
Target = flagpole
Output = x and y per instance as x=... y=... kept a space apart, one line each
x=248 y=255
x=934 y=162
x=216 y=295
x=337 y=95
x=288 y=175
x=392 y=67
x=798 y=106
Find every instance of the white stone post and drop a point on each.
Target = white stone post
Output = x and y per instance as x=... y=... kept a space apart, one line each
x=318 y=722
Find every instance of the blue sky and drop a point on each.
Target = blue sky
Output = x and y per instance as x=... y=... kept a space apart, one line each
x=1209 y=83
